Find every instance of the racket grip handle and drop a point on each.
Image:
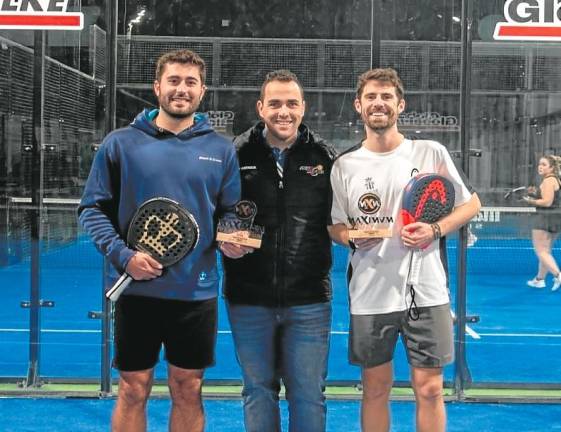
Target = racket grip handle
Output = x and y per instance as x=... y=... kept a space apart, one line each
x=116 y=290
x=415 y=268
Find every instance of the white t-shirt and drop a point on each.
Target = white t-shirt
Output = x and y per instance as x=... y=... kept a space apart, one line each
x=368 y=188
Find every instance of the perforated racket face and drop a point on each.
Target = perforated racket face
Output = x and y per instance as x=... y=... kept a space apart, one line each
x=427 y=198
x=164 y=230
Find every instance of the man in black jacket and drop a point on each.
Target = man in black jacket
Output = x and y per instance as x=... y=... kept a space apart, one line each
x=279 y=296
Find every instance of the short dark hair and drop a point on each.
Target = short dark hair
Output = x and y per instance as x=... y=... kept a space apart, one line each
x=387 y=75
x=282 y=75
x=183 y=56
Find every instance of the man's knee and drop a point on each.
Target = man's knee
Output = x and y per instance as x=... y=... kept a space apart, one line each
x=185 y=388
x=428 y=390
x=377 y=389
x=134 y=389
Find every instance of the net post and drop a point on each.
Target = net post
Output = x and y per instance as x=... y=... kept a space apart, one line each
x=106 y=389
x=461 y=371
x=33 y=369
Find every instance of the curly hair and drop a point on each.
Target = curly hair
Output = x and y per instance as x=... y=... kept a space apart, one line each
x=555 y=162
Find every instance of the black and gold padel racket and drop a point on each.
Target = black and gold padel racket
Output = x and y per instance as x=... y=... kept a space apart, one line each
x=162 y=229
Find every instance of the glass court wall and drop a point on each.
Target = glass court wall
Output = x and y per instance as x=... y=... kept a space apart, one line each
x=51 y=276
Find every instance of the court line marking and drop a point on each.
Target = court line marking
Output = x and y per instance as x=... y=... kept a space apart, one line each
x=536 y=335
x=469 y=331
x=16 y=330
x=472 y=332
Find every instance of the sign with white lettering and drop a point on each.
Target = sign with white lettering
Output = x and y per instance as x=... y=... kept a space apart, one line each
x=39 y=15
x=538 y=20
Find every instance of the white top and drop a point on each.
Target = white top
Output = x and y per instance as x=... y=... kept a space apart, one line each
x=378 y=278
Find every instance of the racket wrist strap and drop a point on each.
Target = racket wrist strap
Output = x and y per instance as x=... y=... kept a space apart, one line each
x=436 y=231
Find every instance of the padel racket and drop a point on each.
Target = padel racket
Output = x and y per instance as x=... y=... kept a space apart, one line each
x=517 y=193
x=162 y=229
x=427 y=198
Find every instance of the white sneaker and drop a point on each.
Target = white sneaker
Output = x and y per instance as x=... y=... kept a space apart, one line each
x=540 y=283
x=556 y=283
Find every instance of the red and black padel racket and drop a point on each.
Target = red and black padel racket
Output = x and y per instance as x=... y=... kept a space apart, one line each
x=163 y=229
x=427 y=198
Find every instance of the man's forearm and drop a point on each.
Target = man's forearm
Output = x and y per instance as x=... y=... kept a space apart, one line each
x=460 y=216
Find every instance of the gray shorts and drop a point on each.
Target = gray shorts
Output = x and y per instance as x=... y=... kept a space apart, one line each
x=429 y=341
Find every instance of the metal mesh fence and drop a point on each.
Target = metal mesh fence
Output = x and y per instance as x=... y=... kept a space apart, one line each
x=428 y=66
x=69 y=115
x=546 y=65
x=343 y=61
x=98 y=41
x=138 y=55
x=328 y=70
x=245 y=64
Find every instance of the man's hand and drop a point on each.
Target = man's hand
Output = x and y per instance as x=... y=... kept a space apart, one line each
x=233 y=250
x=417 y=235
x=143 y=267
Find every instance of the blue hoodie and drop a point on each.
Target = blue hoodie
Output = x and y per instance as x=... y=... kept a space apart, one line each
x=197 y=168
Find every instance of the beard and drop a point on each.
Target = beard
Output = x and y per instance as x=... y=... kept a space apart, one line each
x=382 y=124
x=178 y=113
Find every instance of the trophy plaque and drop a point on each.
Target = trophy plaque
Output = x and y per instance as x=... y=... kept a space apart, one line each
x=241 y=230
x=368 y=231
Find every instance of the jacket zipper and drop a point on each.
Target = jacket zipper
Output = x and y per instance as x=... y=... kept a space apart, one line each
x=281 y=209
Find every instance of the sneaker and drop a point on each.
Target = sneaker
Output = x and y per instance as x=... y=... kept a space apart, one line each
x=556 y=283
x=540 y=283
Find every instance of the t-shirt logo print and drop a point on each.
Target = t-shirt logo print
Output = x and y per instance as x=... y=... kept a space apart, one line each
x=369 y=203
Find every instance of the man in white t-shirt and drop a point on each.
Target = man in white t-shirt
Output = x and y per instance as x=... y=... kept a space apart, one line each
x=368 y=182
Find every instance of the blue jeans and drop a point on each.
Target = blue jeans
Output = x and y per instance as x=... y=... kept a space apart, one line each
x=291 y=343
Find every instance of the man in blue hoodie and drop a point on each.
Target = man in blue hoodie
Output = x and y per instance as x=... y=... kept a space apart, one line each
x=169 y=152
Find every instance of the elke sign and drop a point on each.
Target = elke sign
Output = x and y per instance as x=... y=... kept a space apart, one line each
x=39 y=15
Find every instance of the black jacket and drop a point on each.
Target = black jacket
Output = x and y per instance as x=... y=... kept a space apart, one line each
x=292 y=266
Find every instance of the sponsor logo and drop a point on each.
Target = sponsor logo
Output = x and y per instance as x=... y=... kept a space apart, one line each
x=248 y=167
x=220 y=120
x=538 y=20
x=430 y=119
x=210 y=159
x=39 y=15
x=369 y=203
x=367 y=221
x=414 y=172
x=246 y=210
x=313 y=170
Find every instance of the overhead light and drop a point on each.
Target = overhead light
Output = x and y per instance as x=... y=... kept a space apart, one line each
x=138 y=18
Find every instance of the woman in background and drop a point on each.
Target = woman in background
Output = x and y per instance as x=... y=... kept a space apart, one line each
x=547 y=225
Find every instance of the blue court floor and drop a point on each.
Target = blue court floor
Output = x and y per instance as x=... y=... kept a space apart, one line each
x=85 y=415
x=514 y=342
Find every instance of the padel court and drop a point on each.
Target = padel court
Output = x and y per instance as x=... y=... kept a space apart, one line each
x=516 y=340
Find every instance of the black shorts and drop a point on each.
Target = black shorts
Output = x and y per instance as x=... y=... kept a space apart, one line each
x=550 y=222
x=186 y=329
